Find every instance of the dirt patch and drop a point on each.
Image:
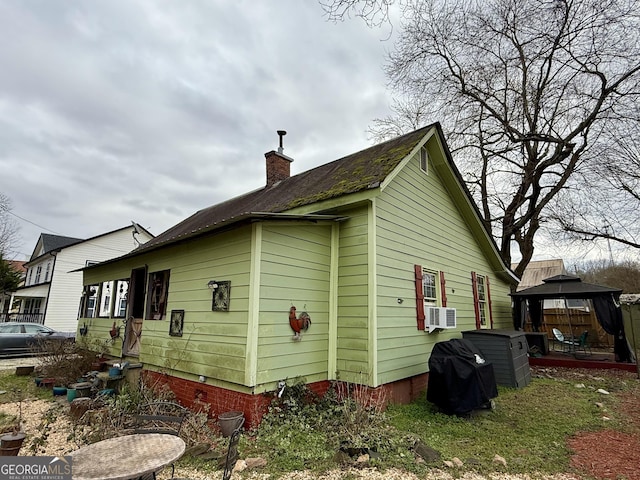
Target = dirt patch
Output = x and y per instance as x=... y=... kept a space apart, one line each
x=609 y=454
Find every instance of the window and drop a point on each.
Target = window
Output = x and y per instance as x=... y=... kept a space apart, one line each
x=90 y=296
x=38 y=273
x=121 y=293
x=430 y=292
x=105 y=299
x=48 y=272
x=430 y=288
x=424 y=159
x=482 y=300
x=157 y=295
x=32 y=305
x=30 y=276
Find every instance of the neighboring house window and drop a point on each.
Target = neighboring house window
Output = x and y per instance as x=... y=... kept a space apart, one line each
x=48 y=272
x=38 y=273
x=424 y=159
x=105 y=299
x=430 y=292
x=482 y=300
x=32 y=305
x=30 y=276
x=157 y=295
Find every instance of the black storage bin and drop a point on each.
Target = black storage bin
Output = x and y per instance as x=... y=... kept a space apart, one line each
x=507 y=351
x=538 y=340
x=457 y=383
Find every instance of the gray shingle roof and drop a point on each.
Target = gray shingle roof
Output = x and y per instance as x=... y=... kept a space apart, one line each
x=56 y=242
x=357 y=172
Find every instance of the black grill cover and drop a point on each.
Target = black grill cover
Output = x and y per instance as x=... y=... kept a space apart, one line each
x=457 y=383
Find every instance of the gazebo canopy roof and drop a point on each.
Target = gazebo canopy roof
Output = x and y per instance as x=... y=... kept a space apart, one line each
x=565 y=286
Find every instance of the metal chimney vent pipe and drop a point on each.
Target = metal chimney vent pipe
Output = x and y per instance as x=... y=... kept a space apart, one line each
x=281 y=133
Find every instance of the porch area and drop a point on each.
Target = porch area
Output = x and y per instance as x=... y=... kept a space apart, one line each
x=599 y=358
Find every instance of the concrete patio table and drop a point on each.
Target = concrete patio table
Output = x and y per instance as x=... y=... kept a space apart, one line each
x=126 y=457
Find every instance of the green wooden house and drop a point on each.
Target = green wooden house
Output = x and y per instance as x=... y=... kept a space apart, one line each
x=383 y=250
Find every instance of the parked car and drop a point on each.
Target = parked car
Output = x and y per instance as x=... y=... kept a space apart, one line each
x=20 y=338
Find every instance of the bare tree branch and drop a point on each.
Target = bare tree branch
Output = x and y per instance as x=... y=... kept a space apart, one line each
x=524 y=91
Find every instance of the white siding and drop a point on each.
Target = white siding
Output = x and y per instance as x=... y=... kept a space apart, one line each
x=66 y=285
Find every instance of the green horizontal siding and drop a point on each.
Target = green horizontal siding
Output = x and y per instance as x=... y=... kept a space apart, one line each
x=213 y=344
x=418 y=223
x=352 y=362
x=295 y=264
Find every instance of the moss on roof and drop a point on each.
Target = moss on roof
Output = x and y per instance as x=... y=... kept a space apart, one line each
x=363 y=170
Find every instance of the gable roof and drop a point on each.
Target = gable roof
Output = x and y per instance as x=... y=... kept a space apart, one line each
x=360 y=171
x=539 y=270
x=365 y=170
x=50 y=243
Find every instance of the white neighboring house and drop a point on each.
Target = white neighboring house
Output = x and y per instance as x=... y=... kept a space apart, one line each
x=53 y=284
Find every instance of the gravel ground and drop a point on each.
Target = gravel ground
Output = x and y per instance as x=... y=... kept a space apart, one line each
x=11 y=363
x=48 y=432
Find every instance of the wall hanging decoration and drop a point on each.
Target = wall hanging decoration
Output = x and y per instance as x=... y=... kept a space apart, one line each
x=299 y=323
x=114 y=332
x=177 y=323
x=221 y=296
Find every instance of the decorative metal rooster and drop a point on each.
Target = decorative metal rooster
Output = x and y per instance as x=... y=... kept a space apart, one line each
x=298 y=324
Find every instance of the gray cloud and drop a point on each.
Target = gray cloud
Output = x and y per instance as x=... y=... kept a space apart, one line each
x=112 y=111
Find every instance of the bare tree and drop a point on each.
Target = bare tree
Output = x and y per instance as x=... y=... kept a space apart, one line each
x=524 y=90
x=610 y=210
x=8 y=227
x=624 y=275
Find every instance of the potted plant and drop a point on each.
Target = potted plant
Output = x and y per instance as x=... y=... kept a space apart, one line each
x=10 y=443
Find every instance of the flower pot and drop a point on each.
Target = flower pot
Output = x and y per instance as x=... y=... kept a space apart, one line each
x=71 y=394
x=83 y=389
x=59 y=391
x=230 y=421
x=47 y=382
x=115 y=371
x=11 y=443
x=23 y=371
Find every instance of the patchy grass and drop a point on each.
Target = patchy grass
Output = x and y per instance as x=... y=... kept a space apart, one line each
x=529 y=427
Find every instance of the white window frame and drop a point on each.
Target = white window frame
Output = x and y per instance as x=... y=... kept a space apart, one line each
x=483 y=303
x=423 y=159
x=432 y=297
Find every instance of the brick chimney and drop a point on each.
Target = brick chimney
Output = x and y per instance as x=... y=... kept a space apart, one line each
x=278 y=164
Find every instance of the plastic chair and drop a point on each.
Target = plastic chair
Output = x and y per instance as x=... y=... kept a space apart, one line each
x=567 y=345
x=582 y=343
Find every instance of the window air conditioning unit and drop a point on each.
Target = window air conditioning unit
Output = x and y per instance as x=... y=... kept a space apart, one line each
x=440 y=317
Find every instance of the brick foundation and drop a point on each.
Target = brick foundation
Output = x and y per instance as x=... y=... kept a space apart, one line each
x=193 y=394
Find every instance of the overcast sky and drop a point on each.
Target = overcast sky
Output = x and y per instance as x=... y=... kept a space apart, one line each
x=113 y=111
x=149 y=110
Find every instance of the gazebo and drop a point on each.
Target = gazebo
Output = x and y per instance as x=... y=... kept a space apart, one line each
x=605 y=302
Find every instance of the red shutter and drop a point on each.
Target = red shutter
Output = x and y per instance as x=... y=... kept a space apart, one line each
x=443 y=289
x=489 y=300
x=419 y=296
x=476 y=302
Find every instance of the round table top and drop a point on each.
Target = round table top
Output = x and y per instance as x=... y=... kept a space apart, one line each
x=126 y=457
